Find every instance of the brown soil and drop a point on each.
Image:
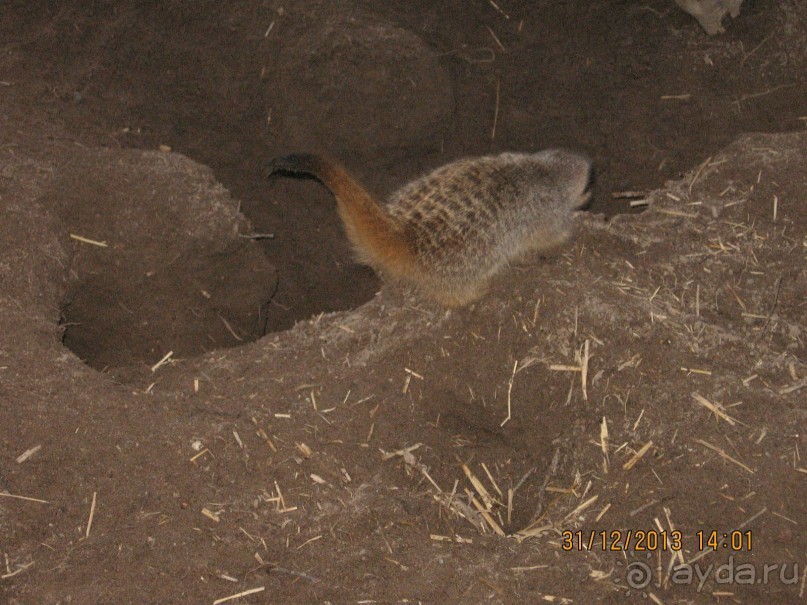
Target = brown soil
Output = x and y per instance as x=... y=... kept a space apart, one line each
x=654 y=369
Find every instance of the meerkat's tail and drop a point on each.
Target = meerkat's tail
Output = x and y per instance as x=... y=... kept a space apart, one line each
x=375 y=236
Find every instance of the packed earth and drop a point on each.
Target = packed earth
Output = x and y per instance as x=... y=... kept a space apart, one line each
x=204 y=399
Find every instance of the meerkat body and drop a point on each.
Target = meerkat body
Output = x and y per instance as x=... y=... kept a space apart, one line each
x=451 y=231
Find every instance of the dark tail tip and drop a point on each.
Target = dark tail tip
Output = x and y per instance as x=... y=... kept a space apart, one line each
x=296 y=163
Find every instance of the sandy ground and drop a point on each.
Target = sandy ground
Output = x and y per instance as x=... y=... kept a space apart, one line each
x=619 y=422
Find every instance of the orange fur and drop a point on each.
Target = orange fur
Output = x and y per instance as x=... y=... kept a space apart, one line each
x=375 y=237
x=451 y=231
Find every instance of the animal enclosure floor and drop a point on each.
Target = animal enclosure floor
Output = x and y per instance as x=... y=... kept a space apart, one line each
x=649 y=377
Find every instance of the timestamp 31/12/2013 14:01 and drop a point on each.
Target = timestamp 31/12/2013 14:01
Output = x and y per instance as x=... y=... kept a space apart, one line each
x=639 y=540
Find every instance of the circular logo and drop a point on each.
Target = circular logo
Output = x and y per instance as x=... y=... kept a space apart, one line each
x=638 y=575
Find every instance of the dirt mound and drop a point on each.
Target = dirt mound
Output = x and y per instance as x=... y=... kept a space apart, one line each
x=158 y=259
x=644 y=383
x=357 y=86
x=393 y=89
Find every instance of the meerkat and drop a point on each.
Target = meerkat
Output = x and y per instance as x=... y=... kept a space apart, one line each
x=451 y=231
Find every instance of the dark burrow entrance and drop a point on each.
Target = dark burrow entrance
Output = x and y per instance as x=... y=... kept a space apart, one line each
x=390 y=89
x=161 y=263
